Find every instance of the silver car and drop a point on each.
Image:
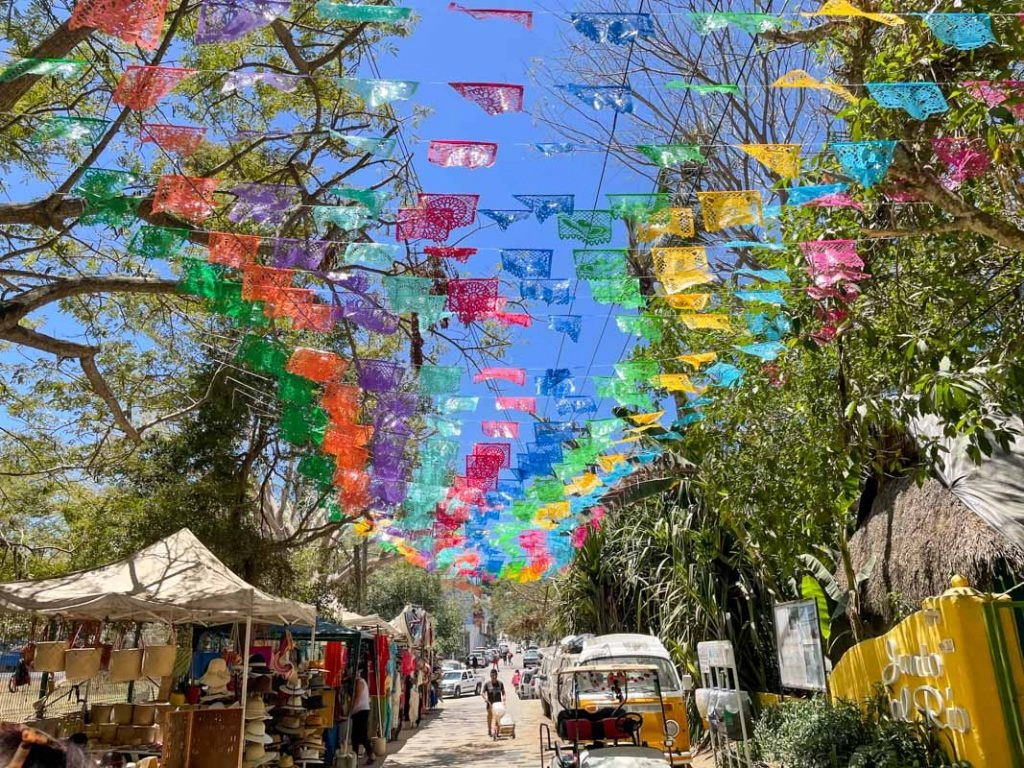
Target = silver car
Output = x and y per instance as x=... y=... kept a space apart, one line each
x=460 y=682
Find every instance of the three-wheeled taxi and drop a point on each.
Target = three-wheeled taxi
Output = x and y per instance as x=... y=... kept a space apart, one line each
x=600 y=726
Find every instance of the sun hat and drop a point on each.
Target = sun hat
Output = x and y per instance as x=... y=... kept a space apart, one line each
x=290 y=725
x=257 y=666
x=217 y=675
x=317 y=681
x=255 y=755
x=293 y=688
x=309 y=756
x=286 y=761
x=293 y=702
x=255 y=709
x=256 y=731
x=314 y=721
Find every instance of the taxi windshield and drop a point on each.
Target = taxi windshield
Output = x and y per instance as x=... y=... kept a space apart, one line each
x=614 y=685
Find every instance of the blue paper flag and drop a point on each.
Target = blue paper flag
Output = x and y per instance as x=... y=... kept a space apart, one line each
x=766 y=350
x=616 y=28
x=618 y=97
x=919 y=100
x=552 y=148
x=570 y=325
x=804 y=195
x=545 y=206
x=965 y=31
x=866 y=161
x=504 y=218
x=527 y=263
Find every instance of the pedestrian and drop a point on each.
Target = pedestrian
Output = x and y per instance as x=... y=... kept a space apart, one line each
x=361 y=717
x=24 y=747
x=493 y=692
x=516 y=679
x=474 y=662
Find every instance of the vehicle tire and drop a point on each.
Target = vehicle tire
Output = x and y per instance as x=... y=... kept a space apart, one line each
x=458 y=693
x=546 y=708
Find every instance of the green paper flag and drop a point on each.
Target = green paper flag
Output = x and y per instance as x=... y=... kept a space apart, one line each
x=86 y=130
x=363 y=14
x=752 y=23
x=440 y=379
x=647 y=327
x=346 y=217
x=263 y=356
x=705 y=88
x=670 y=155
x=157 y=242
x=62 y=68
x=600 y=263
x=200 y=278
x=637 y=208
x=637 y=371
x=373 y=199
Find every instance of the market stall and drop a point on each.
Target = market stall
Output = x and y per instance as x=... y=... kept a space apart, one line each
x=176 y=581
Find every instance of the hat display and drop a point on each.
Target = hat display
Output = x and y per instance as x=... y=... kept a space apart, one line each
x=257 y=666
x=309 y=756
x=290 y=725
x=255 y=709
x=313 y=702
x=293 y=688
x=256 y=731
x=314 y=721
x=293 y=702
x=217 y=676
x=286 y=761
x=255 y=755
x=261 y=684
x=317 y=681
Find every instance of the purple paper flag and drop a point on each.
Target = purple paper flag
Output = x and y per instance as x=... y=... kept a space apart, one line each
x=264 y=203
x=221 y=21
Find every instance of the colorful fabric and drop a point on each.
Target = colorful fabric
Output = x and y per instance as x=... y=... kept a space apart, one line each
x=670 y=155
x=263 y=203
x=513 y=375
x=381 y=255
x=507 y=429
x=624 y=291
x=637 y=208
x=472 y=298
x=556 y=292
x=372 y=199
x=647 y=327
x=157 y=242
x=379 y=147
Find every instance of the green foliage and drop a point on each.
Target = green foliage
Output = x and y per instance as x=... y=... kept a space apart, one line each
x=391 y=588
x=814 y=733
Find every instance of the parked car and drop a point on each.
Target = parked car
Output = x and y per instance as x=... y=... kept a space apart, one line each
x=449 y=664
x=459 y=682
x=531 y=658
x=482 y=659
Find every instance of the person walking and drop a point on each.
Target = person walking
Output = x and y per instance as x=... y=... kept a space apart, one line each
x=493 y=692
x=361 y=717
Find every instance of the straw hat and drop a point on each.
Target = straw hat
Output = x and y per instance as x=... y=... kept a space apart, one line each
x=317 y=681
x=257 y=666
x=286 y=761
x=217 y=675
x=314 y=721
x=293 y=688
x=255 y=709
x=256 y=731
x=255 y=755
x=290 y=725
x=294 y=703
x=310 y=756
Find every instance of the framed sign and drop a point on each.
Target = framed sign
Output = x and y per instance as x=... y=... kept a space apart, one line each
x=798 y=639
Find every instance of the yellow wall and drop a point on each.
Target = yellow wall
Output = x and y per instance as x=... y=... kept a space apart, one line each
x=936 y=664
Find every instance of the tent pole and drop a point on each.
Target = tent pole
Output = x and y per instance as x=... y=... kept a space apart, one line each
x=245 y=677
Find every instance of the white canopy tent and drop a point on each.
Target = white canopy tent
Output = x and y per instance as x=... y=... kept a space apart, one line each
x=371 y=623
x=176 y=580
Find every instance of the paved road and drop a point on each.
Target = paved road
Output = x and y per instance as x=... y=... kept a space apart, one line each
x=457 y=736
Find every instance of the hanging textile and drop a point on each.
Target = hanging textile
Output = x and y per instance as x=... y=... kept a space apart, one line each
x=919 y=100
x=527 y=263
x=615 y=28
x=669 y=261
x=177 y=139
x=964 y=31
x=377 y=93
x=722 y=210
x=141 y=87
x=235 y=81
x=63 y=69
x=379 y=375
x=623 y=392
x=223 y=21
x=232 y=250
x=190 y=197
x=503 y=451
x=798 y=78
x=519 y=17
x=544 y=206
x=590 y=227
x=617 y=97
x=846 y=9
x=341 y=401
x=752 y=23
x=84 y=130
x=492 y=98
x=136 y=22
x=865 y=161
x=781 y=159
x=504 y=218
x=513 y=375
x=462 y=154
x=472 y=298
x=458 y=253
x=507 y=429
x=381 y=255
x=556 y=382
x=406 y=294
x=262 y=203
x=362 y=14
x=570 y=325
x=678 y=222
x=366 y=314
x=460 y=210
x=600 y=264
x=261 y=283
x=637 y=371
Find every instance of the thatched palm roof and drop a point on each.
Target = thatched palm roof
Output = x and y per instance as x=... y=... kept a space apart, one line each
x=921 y=536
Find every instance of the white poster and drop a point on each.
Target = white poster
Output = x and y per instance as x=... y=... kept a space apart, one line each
x=801 y=662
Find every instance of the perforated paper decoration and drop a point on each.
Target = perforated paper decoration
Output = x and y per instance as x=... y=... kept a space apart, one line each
x=462 y=154
x=138 y=22
x=362 y=14
x=668 y=222
x=261 y=283
x=265 y=203
x=767 y=275
x=625 y=292
x=157 y=242
x=316 y=364
x=675 y=382
x=405 y=293
x=502 y=451
x=690 y=302
x=379 y=147
x=637 y=371
x=377 y=93
x=222 y=21
x=235 y=81
x=994 y=94
x=615 y=28
x=833 y=261
x=83 y=130
x=141 y=87
x=177 y=139
x=422 y=224
x=623 y=392
x=838 y=200
x=808 y=194
x=671 y=155
x=866 y=161
x=965 y=31
x=372 y=199
x=752 y=23
x=524 y=404
x=504 y=218
x=288 y=302
x=518 y=16
x=513 y=375
x=709 y=322
x=299 y=254
x=440 y=379
x=507 y=429
x=762 y=297
x=764 y=350
x=647 y=327
x=232 y=250
x=964 y=158
x=684 y=259
x=798 y=78
x=781 y=159
x=492 y=98
x=318 y=318
x=619 y=98
x=556 y=382
x=919 y=100
x=190 y=197
x=472 y=298
x=570 y=325
x=460 y=210
x=590 y=227
x=369 y=315
x=637 y=208
x=458 y=253
x=704 y=89
x=697 y=359
x=600 y=264
x=552 y=148
x=379 y=375
x=722 y=210
x=846 y=9
x=63 y=69
x=724 y=374
x=527 y=263
x=555 y=292
x=347 y=218
x=381 y=255
x=544 y=206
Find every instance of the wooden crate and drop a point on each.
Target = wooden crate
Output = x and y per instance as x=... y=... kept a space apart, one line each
x=202 y=738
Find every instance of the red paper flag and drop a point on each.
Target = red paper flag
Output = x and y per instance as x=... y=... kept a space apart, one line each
x=177 y=139
x=141 y=87
x=190 y=197
x=462 y=154
x=133 y=21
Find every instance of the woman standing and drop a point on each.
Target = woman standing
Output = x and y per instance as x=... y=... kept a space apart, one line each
x=361 y=717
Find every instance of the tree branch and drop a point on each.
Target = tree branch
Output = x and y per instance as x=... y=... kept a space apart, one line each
x=56 y=46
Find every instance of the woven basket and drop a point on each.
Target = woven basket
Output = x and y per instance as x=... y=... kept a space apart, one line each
x=82 y=663
x=50 y=656
x=158 y=660
x=123 y=713
x=126 y=665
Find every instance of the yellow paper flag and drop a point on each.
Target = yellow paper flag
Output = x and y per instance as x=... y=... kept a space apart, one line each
x=670 y=260
x=668 y=221
x=697 y=359
x=712 y=322
x=843 y=8
x=782 y=159
x=688 y=301
x=730 y=209
x=676 y=382
x=677 y=282
x=584 y=484
x=798 y=78
x=611 y=461
x=641 y=419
